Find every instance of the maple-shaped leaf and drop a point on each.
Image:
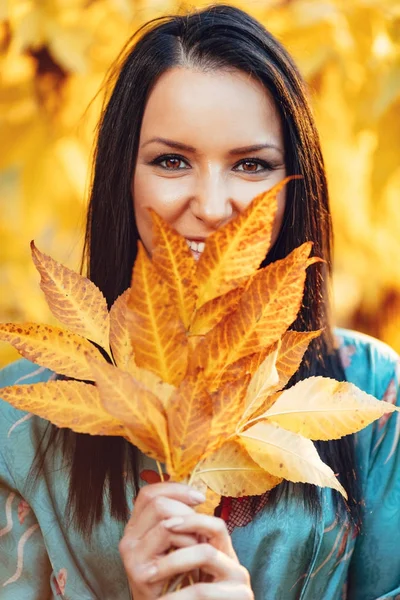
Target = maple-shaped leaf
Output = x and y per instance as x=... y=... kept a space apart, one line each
x=212 y=312
x=73 y=299
x=189 y=418
x=236 y=250
x=173 y=260
x=228 y=406
x=291 y=352
x=120 y=339
x=230 y=471
x=321 y=408
x=288 y=455
x=52 y=347
x=266 y=308
x=71 y=404
x=141 y=412
x=157 y=333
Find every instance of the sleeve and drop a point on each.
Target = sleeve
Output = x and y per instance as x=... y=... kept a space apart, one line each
x=25 y=570
x=374 y=572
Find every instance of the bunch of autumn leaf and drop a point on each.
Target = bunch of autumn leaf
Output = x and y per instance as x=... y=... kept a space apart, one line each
x=198 y=355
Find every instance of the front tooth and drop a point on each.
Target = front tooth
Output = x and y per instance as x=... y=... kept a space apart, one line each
x=194 y=246
x=200 y=246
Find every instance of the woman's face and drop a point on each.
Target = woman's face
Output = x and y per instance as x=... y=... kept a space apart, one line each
x=209 y=143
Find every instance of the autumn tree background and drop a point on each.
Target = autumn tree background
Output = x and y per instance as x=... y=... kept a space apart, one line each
x=54 y=57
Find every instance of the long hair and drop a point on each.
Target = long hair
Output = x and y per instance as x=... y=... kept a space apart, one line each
x=218 y=37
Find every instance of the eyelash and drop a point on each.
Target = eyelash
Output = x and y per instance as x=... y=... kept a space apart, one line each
x=266 y=165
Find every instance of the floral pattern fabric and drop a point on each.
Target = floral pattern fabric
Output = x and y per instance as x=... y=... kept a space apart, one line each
x=289 y=553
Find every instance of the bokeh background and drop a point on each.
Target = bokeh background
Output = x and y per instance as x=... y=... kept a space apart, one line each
x=54 y=55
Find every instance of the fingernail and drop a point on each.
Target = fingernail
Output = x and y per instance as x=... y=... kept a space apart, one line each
x=173 y=522
x=150 y=572
x=197 y=497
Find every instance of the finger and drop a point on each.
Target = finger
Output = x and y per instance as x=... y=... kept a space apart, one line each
x=212 y=591
x=158 y=508
x=212 y=528
x=201 y=556
x=175 y=491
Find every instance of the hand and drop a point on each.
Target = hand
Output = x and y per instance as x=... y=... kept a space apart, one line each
x=151 y=534
x=146 y=539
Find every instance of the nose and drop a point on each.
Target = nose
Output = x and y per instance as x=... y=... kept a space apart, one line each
x=211 y=202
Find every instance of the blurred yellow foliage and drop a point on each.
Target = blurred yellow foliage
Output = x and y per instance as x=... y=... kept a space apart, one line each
x=53 y=58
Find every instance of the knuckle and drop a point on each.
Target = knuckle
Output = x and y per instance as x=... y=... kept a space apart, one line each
x=209 y=553
x=158 y=506
x=126 y=545
x=244 y=575
x=245 y=593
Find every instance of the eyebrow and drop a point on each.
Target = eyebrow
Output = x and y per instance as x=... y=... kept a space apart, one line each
x=233 y=152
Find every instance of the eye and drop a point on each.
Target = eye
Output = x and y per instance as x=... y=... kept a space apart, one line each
x=254 y=165
x=171 y=162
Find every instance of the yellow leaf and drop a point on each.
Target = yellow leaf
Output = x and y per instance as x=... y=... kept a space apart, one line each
x=52 y=347
x=71 y=404
x=157 y=333
x=173 y=260
x=135 y=406
x=261 y=384
x=291 y=352
x=120 y=340
x=74 y=300
x=230 y=471
x=266 y=308
x=288 y=455
x=189 y=421
x=213 y=311
x=152 y=382
x=320 y=408
x=236 y=250
x=212 y=499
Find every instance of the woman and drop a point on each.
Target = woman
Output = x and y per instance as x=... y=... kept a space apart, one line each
x=207 y=111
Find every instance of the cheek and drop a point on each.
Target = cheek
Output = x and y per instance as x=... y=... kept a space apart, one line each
x=279 y=215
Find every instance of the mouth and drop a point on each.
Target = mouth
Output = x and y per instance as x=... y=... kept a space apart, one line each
x=196 y=248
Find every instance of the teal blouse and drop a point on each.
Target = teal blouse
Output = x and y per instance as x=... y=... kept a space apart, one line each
x=289 y=554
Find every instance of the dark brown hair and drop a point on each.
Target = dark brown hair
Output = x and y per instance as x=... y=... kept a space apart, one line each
x=217 y=37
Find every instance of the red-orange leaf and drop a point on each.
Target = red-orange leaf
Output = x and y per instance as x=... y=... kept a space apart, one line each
x=175 y=264
x=189 y=421
x=265 y=310
x=157 y=333
x=236 y=250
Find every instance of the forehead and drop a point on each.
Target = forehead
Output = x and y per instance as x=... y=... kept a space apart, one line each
x=227 y=105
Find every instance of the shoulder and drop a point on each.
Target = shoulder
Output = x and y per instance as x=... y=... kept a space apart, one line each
x=20 y=431
x=368 y=363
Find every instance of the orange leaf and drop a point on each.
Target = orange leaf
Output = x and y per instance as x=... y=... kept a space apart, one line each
x=228 y=407
x=230 y=471
x=213 y=311
x=136 y=407
x=120 y=340
x=265 y=310
x=71 y=404
x=173 y=260
x=52 y=347
x=236 y=250
x=189 y=422
x=74 y=300
x=157 y=333
x=293 y=346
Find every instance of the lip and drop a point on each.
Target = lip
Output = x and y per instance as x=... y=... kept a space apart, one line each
x=195 y=239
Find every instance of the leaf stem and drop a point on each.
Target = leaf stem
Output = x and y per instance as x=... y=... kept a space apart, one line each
x=160 y=471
